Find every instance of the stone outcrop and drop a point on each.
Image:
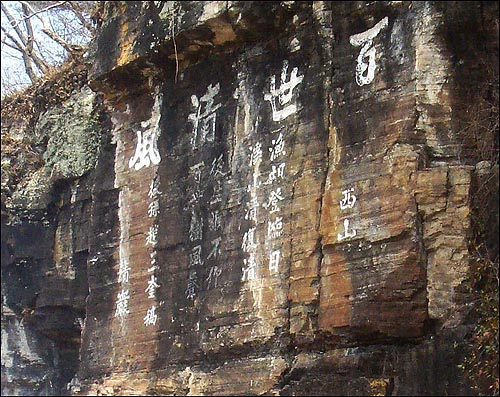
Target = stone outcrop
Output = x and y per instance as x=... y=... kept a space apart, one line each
x=252 y=199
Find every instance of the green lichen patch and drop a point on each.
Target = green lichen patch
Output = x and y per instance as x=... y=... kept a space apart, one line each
x=73 y=130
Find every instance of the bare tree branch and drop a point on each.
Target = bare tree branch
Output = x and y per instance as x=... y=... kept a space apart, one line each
x=78 y=13
x=44 y=34
x=50 y=33
x=14 y=23
x=58 y=4
x=28 y=63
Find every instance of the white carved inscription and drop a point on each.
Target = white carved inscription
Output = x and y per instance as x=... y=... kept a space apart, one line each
x=146 y=151
x=365 y=71
x=282 y=106
x=281 y=97
x=203 y=117
x=122 y=304
x=152 y=239
x=151 y=317
x=347 y=202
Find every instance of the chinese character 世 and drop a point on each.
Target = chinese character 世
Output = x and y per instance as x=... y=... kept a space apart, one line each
x=283 y=95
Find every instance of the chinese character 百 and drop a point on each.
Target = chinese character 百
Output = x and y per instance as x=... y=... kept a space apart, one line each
x=365 y=39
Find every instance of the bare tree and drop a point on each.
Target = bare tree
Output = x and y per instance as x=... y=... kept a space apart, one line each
x=38 y=35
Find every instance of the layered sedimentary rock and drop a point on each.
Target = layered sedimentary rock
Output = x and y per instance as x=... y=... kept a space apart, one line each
x=275 y=203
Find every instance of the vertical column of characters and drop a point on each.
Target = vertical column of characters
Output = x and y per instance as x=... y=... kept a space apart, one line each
x=347 y=202
x=203 y=119
x=280 y=99
x=249 y=242
x=146 y=155
x=195 y=230
x=214 y=221
x=151 y=241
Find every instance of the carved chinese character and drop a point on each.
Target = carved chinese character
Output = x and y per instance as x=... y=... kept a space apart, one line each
x=365 y=39
x=151 y=317
x=195 y=227
x=204 y=121
x=152 y=286
x=251 y=210
x=277 y=172
x=123 y=272
x=255 y=154
x=283 y=95
x=195 y=258
x=249 y=243
x=215 y=248
x=122 y=304
x=274 y=261
x=254 y=184
x=146 y=151
x=195 y=172
x=213 y=276
x=217 y=193
x=348 y=200
x=275 y=228
x=153 y=209
x=152 y=236
x=272 y=203
x=347 y=233
x=154 y=189
x=192 y=286
x=278 y=147
x=216 y=168
x=249 y=268
x=214 y=221
x=216 y=172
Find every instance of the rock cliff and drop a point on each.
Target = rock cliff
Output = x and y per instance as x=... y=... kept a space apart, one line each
x=248 y=198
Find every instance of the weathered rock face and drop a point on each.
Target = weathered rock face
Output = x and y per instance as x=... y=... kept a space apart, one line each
x=278 y=207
